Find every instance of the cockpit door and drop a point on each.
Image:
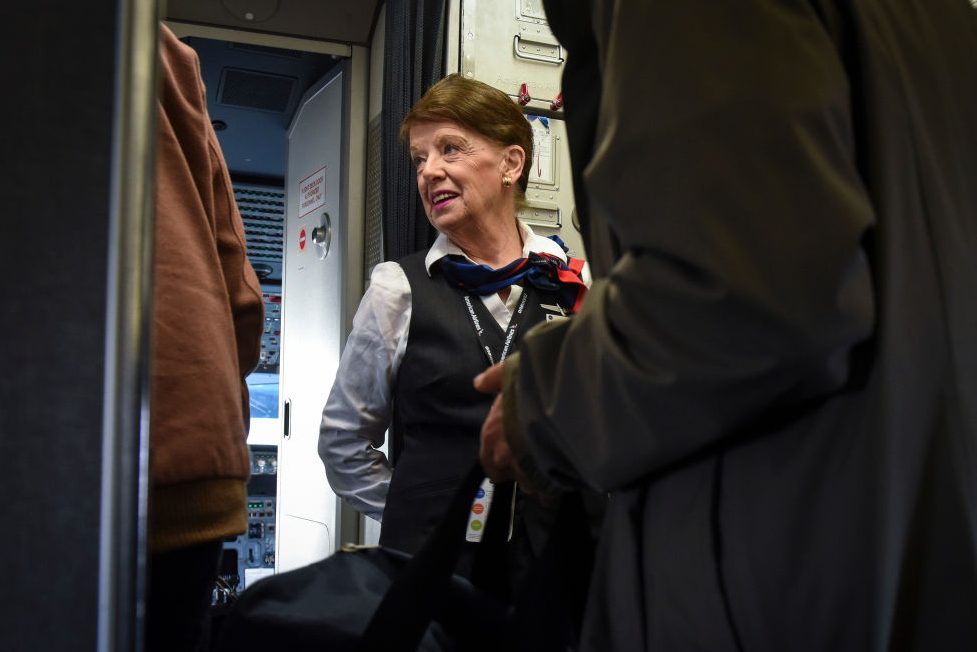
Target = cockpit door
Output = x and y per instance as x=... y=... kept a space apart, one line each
x=315 y=260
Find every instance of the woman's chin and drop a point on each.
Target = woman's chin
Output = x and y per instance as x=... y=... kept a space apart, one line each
x=444 y=220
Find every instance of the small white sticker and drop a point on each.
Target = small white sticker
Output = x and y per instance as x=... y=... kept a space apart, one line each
x=252 y=575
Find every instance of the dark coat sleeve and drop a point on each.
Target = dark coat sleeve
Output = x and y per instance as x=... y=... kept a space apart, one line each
x=723 y=163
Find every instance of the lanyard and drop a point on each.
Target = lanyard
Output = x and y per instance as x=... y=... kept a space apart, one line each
x=483 y=502
x=510 y=333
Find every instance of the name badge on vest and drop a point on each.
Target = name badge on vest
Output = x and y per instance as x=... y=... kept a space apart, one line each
x=553 y=312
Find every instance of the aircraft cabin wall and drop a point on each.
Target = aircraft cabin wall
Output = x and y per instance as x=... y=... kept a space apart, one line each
x=509 y=45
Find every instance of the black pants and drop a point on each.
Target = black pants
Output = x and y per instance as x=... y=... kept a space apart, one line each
x=180 y=586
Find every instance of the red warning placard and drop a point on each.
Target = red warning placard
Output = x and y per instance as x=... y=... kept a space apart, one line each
x=302 y=239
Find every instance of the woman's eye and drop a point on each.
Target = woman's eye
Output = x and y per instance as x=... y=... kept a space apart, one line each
x=418 y=162
x=450 y=149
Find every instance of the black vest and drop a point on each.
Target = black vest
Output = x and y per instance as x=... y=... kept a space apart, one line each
x=436 y=410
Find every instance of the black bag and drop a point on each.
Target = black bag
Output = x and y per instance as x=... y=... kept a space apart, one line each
x=375 y=599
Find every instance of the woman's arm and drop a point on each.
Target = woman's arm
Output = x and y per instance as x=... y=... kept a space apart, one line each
x=357 y=413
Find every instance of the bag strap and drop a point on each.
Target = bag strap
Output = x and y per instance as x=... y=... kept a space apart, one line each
x=419 y=590
x=490 y=568
x=547 y=613
x=550 y=604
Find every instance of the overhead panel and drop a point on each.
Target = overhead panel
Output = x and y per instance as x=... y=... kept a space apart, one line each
x=264 y=49
x=328 y=20
x=252 y=89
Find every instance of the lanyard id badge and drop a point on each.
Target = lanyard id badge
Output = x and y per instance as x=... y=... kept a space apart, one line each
x=480 y=511
x=478 y=515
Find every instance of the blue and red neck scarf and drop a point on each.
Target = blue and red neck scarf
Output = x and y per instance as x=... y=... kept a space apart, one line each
x=543 y=271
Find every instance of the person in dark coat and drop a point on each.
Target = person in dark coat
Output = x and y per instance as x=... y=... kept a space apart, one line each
x=775 y=371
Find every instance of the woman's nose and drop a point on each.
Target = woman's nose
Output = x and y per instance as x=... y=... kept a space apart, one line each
x=433 y=168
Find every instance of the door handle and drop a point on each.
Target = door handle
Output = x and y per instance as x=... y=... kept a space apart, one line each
x=322 y=236
x=537 y=49
x=287 y=419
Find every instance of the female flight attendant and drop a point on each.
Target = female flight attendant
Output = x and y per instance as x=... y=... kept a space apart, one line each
x=429 y=323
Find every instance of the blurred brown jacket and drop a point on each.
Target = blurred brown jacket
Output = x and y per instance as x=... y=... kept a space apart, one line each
x=207 y=322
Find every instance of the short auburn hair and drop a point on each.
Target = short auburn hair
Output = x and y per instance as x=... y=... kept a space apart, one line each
x=476 y=106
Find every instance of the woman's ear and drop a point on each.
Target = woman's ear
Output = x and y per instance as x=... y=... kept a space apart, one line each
x=513 y=161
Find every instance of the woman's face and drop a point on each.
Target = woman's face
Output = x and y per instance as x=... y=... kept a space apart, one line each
x=459 y=176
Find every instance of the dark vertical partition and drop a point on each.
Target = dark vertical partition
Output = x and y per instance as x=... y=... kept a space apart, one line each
x=75 y=144
x=413 y=59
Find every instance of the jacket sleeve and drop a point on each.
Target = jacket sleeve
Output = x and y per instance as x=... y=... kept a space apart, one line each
x=243 y=288
x=208 y=315
x=358 y=410
x=723 y=162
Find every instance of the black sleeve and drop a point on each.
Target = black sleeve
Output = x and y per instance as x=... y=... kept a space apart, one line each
x=723 y=161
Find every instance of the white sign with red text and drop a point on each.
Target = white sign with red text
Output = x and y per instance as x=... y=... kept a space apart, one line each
x=312 y=192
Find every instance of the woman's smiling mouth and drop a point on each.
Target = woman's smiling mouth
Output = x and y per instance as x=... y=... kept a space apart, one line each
x=441 y=199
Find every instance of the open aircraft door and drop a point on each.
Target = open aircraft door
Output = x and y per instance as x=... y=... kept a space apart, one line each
x=312 y=319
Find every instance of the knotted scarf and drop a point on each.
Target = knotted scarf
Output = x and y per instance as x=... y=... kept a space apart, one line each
x=543 y=271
